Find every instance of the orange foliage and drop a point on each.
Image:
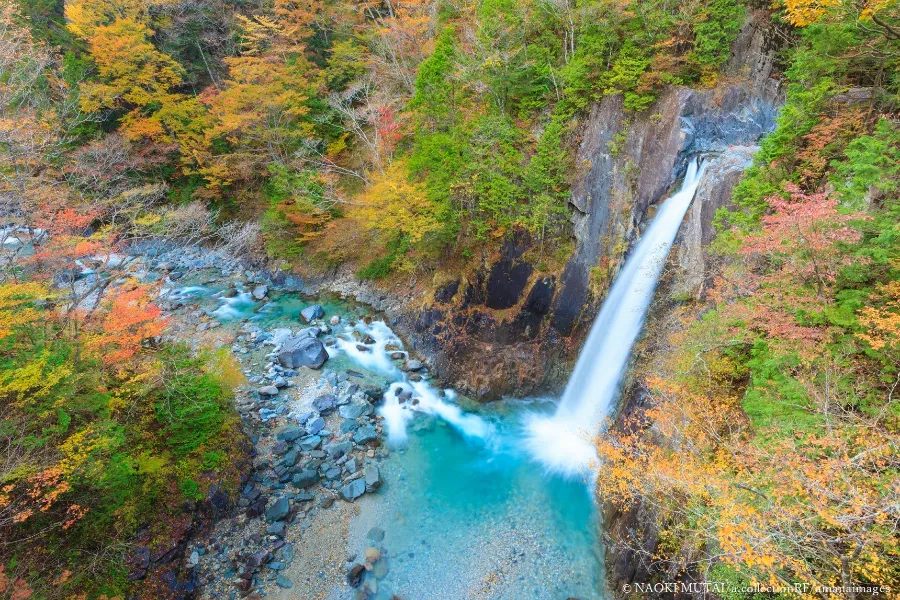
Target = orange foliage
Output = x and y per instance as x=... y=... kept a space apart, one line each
x=131 y=318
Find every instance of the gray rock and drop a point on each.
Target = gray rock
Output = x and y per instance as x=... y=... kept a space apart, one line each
x=310 y=442
x=260 y=291
x=353 y=490
x=290 y=459
x=302 y=351
x=365 y=434
x=268 y=390
x=315 y=426
x=335 y=320
x=289 y=434
x=312 y=312
x=304 y=479
x=276 y=528
x=376 y=534
x=325 y=403
x=338 y=449
x=284 y=582
x=279 y=510
x=354 y=410
x=373 y=480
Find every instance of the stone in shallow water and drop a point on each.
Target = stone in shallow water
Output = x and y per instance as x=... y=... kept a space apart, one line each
x=284 y=582
x=355 y=575
x=373 y=481
x=312 y=312
x=376 y=534
x=260 y=291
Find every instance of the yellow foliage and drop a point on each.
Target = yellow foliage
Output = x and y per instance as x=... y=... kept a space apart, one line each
x=17 y=305
x=394 y=205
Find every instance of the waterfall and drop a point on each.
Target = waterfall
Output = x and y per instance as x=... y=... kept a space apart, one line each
x=562 y=442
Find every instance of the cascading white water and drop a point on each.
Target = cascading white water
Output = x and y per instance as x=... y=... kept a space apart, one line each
x=562 y=442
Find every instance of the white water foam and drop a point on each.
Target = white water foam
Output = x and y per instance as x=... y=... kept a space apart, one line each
x=423 y=396
x=564 y=442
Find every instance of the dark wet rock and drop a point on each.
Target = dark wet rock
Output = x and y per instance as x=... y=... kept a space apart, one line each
x=257 y=507
x=302 y=351
x=312 y=312
x=446 y=292
x=507 y=280
x=355 y=575
x=540 y=297
x=398 y=355
x=353 y=490
x=257 y=560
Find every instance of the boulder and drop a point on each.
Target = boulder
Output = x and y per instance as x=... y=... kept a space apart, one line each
x=268 y=390
x=353 y=490
x=312 y=312
x=302 y=351
x=413 y=365
x=335 y=320
x=260 y=291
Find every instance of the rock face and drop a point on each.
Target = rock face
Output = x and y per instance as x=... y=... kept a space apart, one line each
x=629 y=166
x=722 y=174
x=506 y=327
x=302 y=351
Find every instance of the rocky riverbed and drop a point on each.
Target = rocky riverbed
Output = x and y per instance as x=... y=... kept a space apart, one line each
x=366 y=479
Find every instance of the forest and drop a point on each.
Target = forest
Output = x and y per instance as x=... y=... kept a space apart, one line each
x=401 y=140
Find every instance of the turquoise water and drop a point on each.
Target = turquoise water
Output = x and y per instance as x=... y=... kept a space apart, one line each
x=463 y=517
x=462 y=520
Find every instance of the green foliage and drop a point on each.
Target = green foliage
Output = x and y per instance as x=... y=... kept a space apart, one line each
x=380 y=268
x=872 y=165
x=193 y=405
x=717 y=25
